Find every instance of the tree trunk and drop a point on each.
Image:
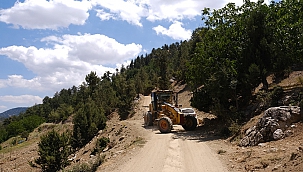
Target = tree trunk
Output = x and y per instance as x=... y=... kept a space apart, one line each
x=264 y=82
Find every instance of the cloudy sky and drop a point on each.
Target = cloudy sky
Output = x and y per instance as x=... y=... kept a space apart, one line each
x=47 y=45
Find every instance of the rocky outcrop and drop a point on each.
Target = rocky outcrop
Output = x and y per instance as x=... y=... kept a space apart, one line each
x=272 y=126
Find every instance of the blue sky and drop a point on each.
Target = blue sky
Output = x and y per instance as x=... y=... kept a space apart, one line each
x=47 y=45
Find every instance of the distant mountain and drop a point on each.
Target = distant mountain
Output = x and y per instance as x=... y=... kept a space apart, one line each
x=12 y=112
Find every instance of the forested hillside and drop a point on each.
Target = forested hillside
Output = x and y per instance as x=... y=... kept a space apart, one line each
x=223 y=62
x=12 y=112
x=239 y=48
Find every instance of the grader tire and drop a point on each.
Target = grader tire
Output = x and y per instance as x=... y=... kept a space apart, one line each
x=190 y=123
x=165 y=125
x=148 y=119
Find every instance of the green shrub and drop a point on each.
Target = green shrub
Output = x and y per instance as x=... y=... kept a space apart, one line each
x=25 y=135
x=14 y=141
x=83 y=167
x=89 y=167
x=53 y=151
x=100 y=145
x=276 y=95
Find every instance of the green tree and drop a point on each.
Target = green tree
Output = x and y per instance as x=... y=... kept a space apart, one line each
x=92 y=81
x=88 y=120
x=54 y=149
x=125 y=92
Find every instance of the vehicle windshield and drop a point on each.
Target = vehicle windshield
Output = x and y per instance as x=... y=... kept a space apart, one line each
x=164 y=97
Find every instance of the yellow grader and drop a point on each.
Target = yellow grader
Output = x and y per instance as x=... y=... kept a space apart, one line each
x=164 y=114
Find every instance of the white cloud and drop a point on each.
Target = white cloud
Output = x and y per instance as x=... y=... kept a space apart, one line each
x=2 y=84
x=19 y=82
x=68 y=61
x=133 y=11
x=174 y=10
x=175 y=31
x=129 y=10
x=104 y=15
x=2 y=107
x=27 y=100
x=43 y=14
x=54 y=14
x=183 y=9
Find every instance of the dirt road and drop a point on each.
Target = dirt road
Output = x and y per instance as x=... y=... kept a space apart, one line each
x=170 y=152
x=179 y=151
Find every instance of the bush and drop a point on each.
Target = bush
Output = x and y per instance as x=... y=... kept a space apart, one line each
x=89 y=167
x=83 y=167
x=100 y=145
x=25 y=135
x=234 y=128
x=53 y=151
x=88 y=120
x=276 y=95
x=14 y=141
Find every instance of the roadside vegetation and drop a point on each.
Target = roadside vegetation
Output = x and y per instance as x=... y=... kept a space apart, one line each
x=223 y=63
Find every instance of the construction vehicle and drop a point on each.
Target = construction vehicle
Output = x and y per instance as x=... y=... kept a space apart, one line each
x=165 y=112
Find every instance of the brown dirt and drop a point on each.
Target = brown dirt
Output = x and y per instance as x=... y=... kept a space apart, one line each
x=176 y=151
x=131 y=143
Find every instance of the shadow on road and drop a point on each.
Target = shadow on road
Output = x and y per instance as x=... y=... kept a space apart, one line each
x=201 y=134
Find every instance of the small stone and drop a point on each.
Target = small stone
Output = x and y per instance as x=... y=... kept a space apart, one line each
x=273 y=150
x=288 y=133
x=276 y=167
x=262 y=144
x=293 y=156
x=278 y=134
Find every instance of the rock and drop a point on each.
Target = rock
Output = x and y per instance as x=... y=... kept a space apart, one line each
x=121 y=138
x=276 y=167
x=278 y=134
x=273 y=149
x=288 y=133
x=248 y=131
x=261 y=144
x=245 y=141
x=119 y=152
x=293 y=156
x=272 y=125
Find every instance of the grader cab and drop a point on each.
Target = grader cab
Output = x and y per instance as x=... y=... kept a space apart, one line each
x=165 y=112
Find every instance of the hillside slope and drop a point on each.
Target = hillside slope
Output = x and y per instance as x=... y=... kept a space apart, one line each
x=12 y=112
x=135 y=147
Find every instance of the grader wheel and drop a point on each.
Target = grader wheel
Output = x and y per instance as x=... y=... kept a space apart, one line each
x=190 y=123
x=165 y=125
x=148 y=119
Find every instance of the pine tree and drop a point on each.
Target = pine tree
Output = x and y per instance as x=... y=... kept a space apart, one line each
x=54 y=150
